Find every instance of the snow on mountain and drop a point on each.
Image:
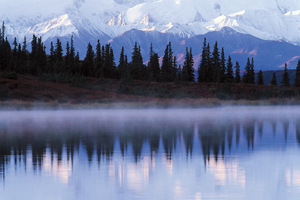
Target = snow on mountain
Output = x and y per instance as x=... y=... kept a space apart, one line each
x=266 y=19
x=106 y=20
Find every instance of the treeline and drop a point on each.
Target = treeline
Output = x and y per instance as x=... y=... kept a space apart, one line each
x=100 y=63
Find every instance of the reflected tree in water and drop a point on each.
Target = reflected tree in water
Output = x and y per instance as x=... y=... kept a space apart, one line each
x=154 y=139
x=298 y=131
x=89 y=143
x=72 y=144
x=285 y=128
x=237 y=126
x=214 y=137
x=274 y=126
x=105 y=143
x=248 y=129
x=260 y=128
x=188 y=136
x=38 y=149
x=229 y=133
x=169 y=138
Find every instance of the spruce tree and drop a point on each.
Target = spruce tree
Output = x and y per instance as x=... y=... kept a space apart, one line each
x=109 y=66
x=14 y=56
x=260 y=79
x=222 y=67
x=121 y=66
x=127 y=77
x=15 y=49
x=179 y=75
x=188 y=69
x=155 y=69
x=210 y=69
x=51 y=59
x=216 y=62
x=167 y=64
x=72 y=51
x=174 y=69
x=58 y=51
x=33 y=55
x=297 y=79
x=252 y=73
x=3 y=30
x=88 y=61
x=139 y=71
x=247 y=73
x=205 y=69
x=6 y=53
x=237 y=72
x=112 y=63
x=33 y=48
x=229 y=74
x=171 y=63
x=59 y=65
x=202 y=69
x=24 y=50
x=52 y=53
x=18 y=62
x=41 y=58
x=285 y=77
x=153 y=65
x=98 y=60
x=274 y=80
x=67 y=57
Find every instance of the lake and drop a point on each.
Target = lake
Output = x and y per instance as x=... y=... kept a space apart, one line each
x=208 y=153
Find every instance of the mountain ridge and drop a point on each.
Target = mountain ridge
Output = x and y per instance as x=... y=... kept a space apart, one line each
x=90 y=20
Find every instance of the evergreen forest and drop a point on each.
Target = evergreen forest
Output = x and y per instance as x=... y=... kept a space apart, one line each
x=99 y=62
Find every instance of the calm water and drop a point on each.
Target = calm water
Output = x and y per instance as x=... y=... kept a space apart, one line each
x=215 y=153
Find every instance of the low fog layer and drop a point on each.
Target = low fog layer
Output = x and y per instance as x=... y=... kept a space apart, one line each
x=114 y=119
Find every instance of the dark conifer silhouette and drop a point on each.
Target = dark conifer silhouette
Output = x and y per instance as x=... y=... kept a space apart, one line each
x=139 y=70
x=237 y=77
x=188 y=69
x=274 y=80
x=167 y=72
x=215 y=61
x=88 y=61
x=247 y=73
x=229 y=74
x=222 y=67
x=153 y=65
x=260 y=79
x=285 y=77
x=297 y=79
x=252 y=73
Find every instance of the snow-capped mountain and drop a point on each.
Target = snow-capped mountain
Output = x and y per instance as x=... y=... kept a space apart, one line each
x=89 y=20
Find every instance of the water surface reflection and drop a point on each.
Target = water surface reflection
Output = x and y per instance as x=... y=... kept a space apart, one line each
x=217 y=153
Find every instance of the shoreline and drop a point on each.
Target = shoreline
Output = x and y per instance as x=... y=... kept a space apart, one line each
x=11 y=105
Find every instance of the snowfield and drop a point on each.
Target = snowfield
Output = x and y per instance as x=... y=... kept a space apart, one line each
x=265 y=19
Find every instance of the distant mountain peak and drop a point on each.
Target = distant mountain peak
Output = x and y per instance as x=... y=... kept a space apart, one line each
x=147 y=19
x=199 y=18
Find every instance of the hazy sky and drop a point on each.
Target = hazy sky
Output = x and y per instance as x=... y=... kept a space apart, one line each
x=32 y=7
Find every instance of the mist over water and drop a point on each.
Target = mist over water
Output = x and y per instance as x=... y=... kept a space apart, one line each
x=208 y=153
